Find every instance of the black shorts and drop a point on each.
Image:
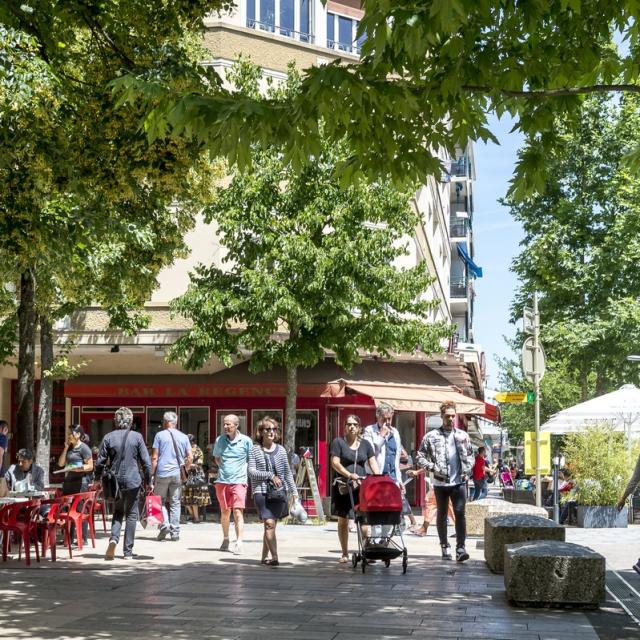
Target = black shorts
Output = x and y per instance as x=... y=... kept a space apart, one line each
x=341 y=504
x=263 y=507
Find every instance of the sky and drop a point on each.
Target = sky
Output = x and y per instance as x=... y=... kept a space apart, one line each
x=496 y=243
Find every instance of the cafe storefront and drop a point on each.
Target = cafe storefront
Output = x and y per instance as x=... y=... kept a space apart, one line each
x=326 y=394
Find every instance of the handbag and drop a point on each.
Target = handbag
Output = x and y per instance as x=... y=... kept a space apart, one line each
x=184 y=474
x=153 y=509
x=110 y=484
x=342 y=483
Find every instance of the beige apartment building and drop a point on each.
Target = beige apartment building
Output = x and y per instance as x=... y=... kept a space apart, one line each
x=121 y=370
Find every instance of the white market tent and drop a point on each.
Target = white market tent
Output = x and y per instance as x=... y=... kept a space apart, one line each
x=620 y=409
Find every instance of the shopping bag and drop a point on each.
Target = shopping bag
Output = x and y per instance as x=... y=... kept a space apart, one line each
x=142 y=509
x=153 y=509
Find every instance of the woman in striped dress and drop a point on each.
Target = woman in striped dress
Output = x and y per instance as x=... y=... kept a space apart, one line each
x=269 y=464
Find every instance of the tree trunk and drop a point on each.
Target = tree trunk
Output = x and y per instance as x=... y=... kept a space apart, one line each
x=584 y=386
x=26 y=359
x=600 y=383
x=46 y=398
x=290 y=411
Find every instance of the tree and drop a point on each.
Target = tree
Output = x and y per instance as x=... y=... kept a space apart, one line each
x=430 y=72
x=309 y=269
x=88 y=205
x=560 y=388
x=581 y=247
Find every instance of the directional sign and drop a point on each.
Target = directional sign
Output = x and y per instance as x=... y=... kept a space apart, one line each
x=527 y=360
x=514 y=397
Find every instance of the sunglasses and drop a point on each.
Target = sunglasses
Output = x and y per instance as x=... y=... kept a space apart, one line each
x=268 y=429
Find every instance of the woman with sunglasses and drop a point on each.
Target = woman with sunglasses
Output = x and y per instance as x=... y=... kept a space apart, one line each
x=269 y=463
x=348 y=457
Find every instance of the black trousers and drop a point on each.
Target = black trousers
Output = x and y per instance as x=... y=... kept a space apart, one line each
x=457 y=493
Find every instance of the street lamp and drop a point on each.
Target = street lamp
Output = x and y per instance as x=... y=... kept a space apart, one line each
x=558 y=463
x=633 y=358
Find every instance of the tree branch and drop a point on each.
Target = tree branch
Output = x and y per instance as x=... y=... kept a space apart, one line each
x=556 y=93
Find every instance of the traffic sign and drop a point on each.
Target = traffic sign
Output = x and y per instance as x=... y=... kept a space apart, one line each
x=530 y=452
x=514 y=397
x=528 y=320
x=527 y=360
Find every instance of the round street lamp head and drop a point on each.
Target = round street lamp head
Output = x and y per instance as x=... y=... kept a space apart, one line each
x=633 y=358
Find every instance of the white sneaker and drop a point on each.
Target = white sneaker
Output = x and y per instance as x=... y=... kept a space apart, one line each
x=237 y=548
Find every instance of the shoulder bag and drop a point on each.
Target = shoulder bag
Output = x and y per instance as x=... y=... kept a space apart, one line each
x=340 y=481
x=110 y=484
x=276 y=498
x=184 y=474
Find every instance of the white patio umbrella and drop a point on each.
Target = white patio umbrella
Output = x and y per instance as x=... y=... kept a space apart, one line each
x=621 y=409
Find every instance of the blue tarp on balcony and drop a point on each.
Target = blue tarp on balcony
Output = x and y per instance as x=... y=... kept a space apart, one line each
x=463 y=252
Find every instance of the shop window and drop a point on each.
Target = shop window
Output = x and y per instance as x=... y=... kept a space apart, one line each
x=405 y=422
x=195 y=420
x=307 y=432
x=154 y=421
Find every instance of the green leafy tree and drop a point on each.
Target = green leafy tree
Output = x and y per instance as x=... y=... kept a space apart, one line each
x=90 y=210
x=430 y=72
x=582 y=246
x=308 y=269
x=559 y=389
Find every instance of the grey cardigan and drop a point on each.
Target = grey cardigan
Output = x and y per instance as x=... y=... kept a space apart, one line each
x=260 y=473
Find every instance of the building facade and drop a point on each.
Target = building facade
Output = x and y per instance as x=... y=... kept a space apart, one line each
x=131 y=370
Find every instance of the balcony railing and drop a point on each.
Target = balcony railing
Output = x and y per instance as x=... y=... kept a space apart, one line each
x=459 y=227
x=300 y=36
x=341 y=46
x=458 y=288
x=460 y=168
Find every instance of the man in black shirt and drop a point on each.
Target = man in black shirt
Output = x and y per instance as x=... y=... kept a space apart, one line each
x=124 y=451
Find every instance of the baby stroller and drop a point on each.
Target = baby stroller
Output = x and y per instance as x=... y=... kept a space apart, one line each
x=380 y=504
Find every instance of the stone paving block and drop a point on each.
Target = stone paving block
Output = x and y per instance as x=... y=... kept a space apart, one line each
x=551 y=573
x=511 y=528
x=478 y=510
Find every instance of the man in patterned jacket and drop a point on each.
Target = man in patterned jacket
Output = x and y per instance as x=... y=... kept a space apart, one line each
x=446 y=452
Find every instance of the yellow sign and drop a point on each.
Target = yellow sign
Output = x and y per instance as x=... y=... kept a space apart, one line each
x=530 y=452
x=511 y=396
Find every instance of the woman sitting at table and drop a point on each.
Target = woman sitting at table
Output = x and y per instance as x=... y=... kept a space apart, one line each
x=25 y=475
x=77 y=461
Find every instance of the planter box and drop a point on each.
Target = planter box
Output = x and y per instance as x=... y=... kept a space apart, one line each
x=601 y=517
x=520 y=496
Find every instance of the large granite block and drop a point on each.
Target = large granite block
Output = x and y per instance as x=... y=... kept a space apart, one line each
x=478 y=510
x=553 y=574
x=516 y=527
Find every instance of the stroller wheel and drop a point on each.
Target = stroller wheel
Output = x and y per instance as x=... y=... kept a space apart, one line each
x=354 y=560
x=387 y=563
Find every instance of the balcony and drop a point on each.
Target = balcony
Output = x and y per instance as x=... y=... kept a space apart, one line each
x=283 y=31
x=459 y=227
x=460 y=168
x=459 y=288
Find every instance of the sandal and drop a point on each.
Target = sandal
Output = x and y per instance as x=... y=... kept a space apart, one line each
x=343 y=559
x=272 y=563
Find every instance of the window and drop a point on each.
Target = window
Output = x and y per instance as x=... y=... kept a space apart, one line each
x=242 y=415
x=289 y=18
x=341 y=33
x=195 y=420
x=154 y=421
x=267 y=14
x=258 y=414
x=286 y=18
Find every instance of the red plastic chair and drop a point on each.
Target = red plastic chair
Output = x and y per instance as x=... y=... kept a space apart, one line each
x=99 y=504
x=80 y=511
x=20 y=518
x=47 y=527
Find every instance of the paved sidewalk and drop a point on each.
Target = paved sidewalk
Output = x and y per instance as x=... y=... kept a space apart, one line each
x=189 y=589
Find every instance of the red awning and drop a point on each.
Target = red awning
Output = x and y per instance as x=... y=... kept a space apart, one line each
x=491 y=412
x=406 y=397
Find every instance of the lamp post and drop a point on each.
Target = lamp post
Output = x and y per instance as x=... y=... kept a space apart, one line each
x=558 y=462
x=633 y=358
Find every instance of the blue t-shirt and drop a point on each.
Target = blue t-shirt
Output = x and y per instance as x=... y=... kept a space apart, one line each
x=4 y=443
x=168 y=464
x=234 y=457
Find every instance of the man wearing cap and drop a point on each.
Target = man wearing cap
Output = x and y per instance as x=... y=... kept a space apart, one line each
x=26 y=472
x=123 y=450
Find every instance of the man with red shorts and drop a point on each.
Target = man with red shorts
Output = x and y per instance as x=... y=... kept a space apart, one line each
x=231 y=453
